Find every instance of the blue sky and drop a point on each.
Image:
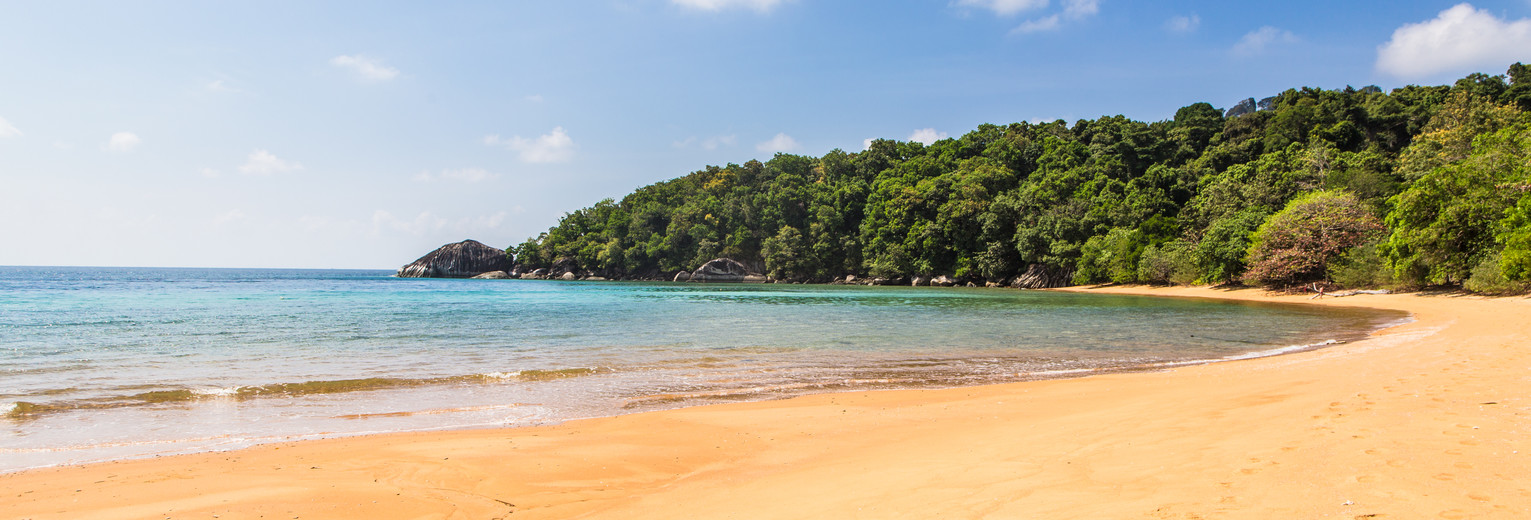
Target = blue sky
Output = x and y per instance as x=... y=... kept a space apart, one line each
x=364 y=134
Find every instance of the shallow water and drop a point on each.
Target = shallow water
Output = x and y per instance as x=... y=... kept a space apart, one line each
x=107 y=363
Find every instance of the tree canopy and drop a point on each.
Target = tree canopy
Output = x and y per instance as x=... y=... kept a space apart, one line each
x=1197 y=198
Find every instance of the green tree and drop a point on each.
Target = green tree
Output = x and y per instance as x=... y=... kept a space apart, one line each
x=1297 y=244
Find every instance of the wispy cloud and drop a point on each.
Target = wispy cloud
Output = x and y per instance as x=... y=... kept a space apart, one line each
x=762 y=6
x=552 y=147
x=1073 y=10
x=1459 y=40
x=1262 y=39
x=1004 y=7
x=710 y=143
x=261 y=162
x=367 y=68
x=468 y=175
x=6 y=130
x=426 y=222
x=780 y=143
x=122 y=142
x=1183 y=24
x=924 y=136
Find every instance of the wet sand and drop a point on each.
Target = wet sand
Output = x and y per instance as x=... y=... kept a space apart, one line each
x=1431 y=419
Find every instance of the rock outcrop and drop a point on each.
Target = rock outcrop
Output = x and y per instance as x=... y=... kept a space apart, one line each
x=1039 y=276
x=461 y=260
x=720 y=270
x=493 y=275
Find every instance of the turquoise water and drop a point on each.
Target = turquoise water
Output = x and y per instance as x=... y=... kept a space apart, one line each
x=107 y=363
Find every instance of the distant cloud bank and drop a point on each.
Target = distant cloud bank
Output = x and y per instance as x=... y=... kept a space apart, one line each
x=1459 y=40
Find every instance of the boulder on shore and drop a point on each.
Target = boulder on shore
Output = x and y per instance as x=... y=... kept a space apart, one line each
x=493 y=275
x=720 y=270
x=943 y=281
x=682 y=277
x=460 y=260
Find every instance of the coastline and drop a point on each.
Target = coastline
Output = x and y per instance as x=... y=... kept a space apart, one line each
x=1422 y=419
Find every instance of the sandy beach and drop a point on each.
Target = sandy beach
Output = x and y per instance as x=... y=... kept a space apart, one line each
x=1430 y=419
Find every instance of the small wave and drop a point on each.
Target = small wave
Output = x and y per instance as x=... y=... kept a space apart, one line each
x=22 y=410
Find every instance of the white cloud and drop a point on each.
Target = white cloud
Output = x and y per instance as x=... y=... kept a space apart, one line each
x=710 y=143
x=370 y=69
x=1261 y=39
x=1078 y=9
x=6 y=130
x=1004 y=7
x=261 y=162
x=552 y=147
x=780 y=143
x=1073 y=10
x=762 y=6
x=925 y=136
x=1183 y=24
x=469 y=175
x=1038 y=25
x=122 y=142
x=535 y=98
x=866 y=144
x=222 y=87
x=1459 y=40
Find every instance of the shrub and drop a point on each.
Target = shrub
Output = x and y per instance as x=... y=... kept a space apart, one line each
x=1488 y=278
x=1362 y=266
x=1173 y=262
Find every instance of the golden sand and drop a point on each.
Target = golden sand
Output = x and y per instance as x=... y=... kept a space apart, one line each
x=1425 y=420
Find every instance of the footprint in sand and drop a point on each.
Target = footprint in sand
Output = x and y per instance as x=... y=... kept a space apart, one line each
x=1452 y=514
x=1469 y=442
x=1445 y=476
x=1479 y=497
x=1366 y=479
x=1463 y=465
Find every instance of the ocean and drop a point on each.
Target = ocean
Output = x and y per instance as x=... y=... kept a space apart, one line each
x=110 y=363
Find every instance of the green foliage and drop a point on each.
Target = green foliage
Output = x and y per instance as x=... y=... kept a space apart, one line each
x=1363 y=266
x=1488 y=278
x=1172 y=262
x=1444 y=224
x=1109 y=199
x=1297 y=243
x=1220 y=256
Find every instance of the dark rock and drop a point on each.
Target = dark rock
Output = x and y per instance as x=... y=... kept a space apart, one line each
x=1246 y=106
x=919 y=281
x=1038 y=276
x=720 y=270
x=682 y=277
x=460 y=260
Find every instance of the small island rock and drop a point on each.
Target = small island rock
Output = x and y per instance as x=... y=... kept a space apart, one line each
x=460 y=260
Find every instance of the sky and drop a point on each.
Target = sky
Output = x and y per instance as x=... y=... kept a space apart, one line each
x=305 y=134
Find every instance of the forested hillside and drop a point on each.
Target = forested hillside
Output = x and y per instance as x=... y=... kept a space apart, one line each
x=1418 y=186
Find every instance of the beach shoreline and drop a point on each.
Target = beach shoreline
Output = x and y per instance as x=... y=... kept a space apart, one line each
x=1422 y=419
